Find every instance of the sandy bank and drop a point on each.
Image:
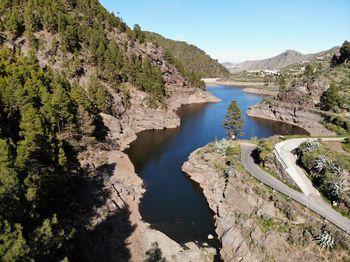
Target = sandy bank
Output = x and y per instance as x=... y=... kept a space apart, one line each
x=249 y=87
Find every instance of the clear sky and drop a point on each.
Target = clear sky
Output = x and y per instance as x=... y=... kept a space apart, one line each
x=238 y=30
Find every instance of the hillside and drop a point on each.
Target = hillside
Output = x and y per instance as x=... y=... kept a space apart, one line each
x=191 y=58
x=316 y=94
x=288 y=58
x=76 y=85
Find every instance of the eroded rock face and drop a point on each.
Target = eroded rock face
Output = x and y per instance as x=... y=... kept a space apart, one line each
x=140 y=116
x=272 y=163
x=290 y=114
x=253 y=222
x=305 y=93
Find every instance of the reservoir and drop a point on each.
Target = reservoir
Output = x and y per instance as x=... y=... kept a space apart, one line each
x=173 y=203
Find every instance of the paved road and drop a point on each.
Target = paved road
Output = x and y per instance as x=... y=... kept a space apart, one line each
x=311 y=202
x=284 y=152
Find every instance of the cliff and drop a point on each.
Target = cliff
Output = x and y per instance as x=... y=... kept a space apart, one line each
x=291 y=114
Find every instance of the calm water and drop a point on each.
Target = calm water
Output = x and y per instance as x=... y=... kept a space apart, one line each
x=173 y=203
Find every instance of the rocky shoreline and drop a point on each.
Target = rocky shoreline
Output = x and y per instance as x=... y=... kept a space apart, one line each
x=309 y=121
x=253 y=222
x=125 y=188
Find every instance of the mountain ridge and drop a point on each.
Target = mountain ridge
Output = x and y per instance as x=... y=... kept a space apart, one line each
x=277 y=62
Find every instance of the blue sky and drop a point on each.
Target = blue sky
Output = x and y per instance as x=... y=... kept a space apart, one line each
x=238 y=30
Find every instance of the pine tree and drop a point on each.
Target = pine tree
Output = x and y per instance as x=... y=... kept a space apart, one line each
x=100 y=95
x=13 y=246
x=14 y=24
x=282 y=83
x=331 y=99
x=233 y=122
x=61 y=108
x=309 y=71
x=32 y=19
x=139 y=34
x=9 y=182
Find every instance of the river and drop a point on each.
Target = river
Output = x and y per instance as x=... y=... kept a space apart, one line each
x=173 y=203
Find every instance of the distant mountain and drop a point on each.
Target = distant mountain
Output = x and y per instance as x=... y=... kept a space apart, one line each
x=191 y=58
x=288 y=57
x=228 y=64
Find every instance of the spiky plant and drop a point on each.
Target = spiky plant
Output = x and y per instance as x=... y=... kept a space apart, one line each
x=325 y=240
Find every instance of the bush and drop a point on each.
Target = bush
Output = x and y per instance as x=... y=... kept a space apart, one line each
x=346 y=144
x=265 y=147
x=338 y=124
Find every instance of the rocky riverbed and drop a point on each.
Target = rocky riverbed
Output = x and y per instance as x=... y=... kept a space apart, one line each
x=253 y=222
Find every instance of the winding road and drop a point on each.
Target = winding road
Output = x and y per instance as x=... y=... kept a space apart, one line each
x=311 y=201
x=284 y=153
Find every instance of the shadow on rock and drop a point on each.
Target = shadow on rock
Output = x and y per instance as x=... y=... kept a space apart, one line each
x=101 y=230
x=107 y=240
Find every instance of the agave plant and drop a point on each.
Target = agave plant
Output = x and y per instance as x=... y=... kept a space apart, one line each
x=229 y=172
x=335 y=168
x=221 y=146
x=325 y=240
x=321 y=163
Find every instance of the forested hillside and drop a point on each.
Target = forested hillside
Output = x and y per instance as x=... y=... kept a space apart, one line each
x=62 y=64
x=190 y=58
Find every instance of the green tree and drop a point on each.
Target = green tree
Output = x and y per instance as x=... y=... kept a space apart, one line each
x=61 y=107
x=47 y=238
x=309 y=71
x=282 y=83
x=85 y=122
x=233 y=122
x=13 y=246
x=331 y=98
x=139 y=34
x=9 y=183
x=114 y=62
x=100 y=95
x=344 y=53
x=32 y=17
x=32 y=132
x=49 y=19
x=14 y=24
x=267 y=80
x=71 y=38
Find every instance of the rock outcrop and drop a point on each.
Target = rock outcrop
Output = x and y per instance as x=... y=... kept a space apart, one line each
x=291 y=114
x=305 y=93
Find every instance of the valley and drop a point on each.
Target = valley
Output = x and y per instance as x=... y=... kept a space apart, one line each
x=120 y=144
